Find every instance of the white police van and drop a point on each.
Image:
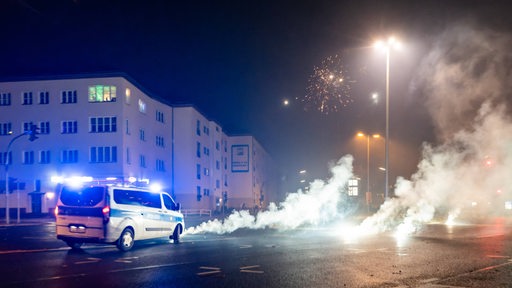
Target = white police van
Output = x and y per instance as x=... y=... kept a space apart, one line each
x=115 y=215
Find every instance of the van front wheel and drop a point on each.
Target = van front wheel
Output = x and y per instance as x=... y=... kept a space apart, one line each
x=176 y=235
x=126 y=240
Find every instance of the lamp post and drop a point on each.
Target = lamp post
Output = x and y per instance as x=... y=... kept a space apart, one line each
x=368 y=195
x=391 y=43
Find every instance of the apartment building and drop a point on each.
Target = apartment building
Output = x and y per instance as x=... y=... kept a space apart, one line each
x=107 y=128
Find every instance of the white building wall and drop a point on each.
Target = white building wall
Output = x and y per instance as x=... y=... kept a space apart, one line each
x=192 y=159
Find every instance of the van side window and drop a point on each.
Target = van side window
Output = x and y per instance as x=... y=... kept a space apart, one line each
x=137 y=198
x=169 y=203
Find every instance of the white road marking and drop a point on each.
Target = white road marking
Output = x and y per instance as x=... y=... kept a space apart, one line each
x=211 y=271
x=249 y=269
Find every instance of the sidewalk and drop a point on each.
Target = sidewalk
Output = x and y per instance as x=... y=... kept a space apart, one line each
x=26 y=220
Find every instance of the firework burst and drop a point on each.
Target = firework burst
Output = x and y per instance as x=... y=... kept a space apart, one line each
x=328 y=87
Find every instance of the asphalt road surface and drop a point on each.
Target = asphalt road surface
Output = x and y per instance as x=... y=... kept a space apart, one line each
x=470 y=255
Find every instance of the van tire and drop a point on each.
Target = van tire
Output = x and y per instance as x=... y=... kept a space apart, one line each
x=74 y=245
x=126 y=240
x=176 y=235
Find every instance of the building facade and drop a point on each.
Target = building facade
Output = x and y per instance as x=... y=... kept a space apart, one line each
x=107 y=129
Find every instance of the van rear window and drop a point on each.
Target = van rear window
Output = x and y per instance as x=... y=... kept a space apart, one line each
x=88 y=196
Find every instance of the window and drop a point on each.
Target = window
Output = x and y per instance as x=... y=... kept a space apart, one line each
x=85 y=197
x=69 y=156
x=68 y=97
x=217 y=145
x=28 y=157
x=128 y=156
x=102 y=93
x=27 y=98
x=69 y=127
x=26 y=126
x=127 y=127
x=206 y=130
x=44 y=156
x=160 y=165
x=142 y=161
x=217 y=164
x=353 y=187
x=102 y=124
x=5 y=99
x=160 y=116
x=198 y=171
x=198 y=189
x=138 y=198
x=44 y=127
x=44 y=97
x=217 y=183
x=206 y=171
x=3 y=158
x=142 y=106
x=206 y=192
x=106 y=154
x=5 y=128
x=169 y=203
x=142 y=135
x=128 y=94
x=206 y=151
x=198 y=128
x=160 y=141
x=198 y=150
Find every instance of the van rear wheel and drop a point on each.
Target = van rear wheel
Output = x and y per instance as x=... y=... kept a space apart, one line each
x=74 y=245
x=126 y=240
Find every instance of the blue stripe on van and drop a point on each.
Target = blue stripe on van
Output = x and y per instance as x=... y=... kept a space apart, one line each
x=145 y=215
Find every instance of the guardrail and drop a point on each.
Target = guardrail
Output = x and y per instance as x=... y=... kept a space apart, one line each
x=200 y=212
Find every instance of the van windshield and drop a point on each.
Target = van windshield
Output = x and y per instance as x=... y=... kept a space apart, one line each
x=88 y=196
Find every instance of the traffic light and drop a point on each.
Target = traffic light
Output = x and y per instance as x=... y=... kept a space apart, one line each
x=33 y=132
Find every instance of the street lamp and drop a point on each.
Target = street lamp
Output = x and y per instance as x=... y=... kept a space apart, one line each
x=32 y=132
x=368 y=192
x=391 y=43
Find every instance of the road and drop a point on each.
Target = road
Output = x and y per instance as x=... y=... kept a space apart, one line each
x=437 y=256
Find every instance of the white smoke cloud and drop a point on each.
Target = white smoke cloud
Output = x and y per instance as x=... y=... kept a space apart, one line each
x=465 y=81
x=465 y=78
x=318 y=204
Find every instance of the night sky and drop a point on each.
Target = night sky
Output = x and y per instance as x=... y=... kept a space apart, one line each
x=237 y=61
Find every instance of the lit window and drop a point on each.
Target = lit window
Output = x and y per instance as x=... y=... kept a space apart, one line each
x=102 y=93
x=128 y=94
x=142 y=106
